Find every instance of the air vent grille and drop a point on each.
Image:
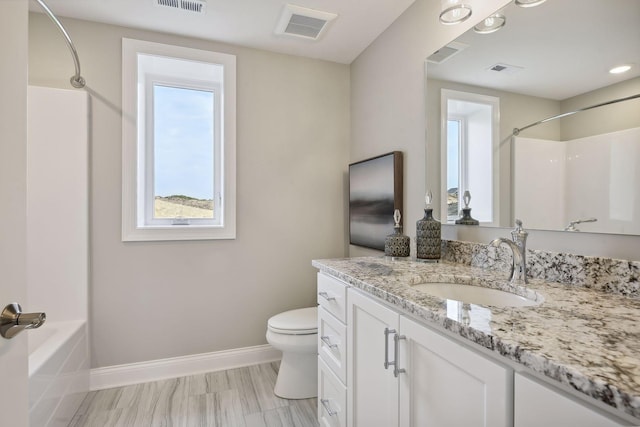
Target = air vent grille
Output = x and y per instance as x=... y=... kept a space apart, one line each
x=197 y=6
x=445 y=53
x=302 y=22
x=305 y=26
x=505 y=68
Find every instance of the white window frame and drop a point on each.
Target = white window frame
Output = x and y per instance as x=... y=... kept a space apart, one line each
x=494 y=103
x=137 y=175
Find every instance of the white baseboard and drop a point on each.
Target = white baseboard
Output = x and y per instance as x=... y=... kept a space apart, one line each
x=154 y=370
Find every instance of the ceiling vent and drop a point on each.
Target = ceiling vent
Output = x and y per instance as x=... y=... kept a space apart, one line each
x=445 y=53
x=197 y=6
x=301 y=22
x=505 y=68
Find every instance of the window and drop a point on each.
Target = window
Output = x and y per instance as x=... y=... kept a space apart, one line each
x=178 y=135
x=470 y=154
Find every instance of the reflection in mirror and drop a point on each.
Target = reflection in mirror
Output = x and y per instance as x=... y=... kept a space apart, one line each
x=578 y=173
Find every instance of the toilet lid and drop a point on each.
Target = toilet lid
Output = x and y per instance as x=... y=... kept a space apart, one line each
x=295 y=322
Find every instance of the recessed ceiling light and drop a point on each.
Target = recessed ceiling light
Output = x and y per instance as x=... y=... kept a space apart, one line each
x=529 y=3
x=454 y=12
x=620 y=69
x=490 y=24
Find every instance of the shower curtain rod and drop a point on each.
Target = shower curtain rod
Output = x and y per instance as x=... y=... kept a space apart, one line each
x=76 y=80
x=517 y=131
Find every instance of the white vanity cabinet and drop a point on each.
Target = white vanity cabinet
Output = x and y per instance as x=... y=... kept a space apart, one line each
x=372 y=396
x=380 y=368
x=537 y=405
x=402 y=373
x=447 y=385
x=332 y=352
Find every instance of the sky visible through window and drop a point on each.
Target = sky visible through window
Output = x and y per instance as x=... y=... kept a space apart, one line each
x=183 y=142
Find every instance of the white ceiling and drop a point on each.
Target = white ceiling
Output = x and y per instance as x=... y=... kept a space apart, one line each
x=565 y=47
x=248 y=22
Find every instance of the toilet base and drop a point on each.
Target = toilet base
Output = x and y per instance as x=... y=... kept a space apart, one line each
x=298 y=376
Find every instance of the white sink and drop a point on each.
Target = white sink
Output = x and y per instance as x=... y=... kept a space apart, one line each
x=476 y=295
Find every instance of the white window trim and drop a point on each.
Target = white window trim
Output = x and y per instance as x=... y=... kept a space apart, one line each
x=133 y=170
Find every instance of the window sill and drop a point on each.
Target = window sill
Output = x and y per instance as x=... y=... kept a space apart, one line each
x=178 y=232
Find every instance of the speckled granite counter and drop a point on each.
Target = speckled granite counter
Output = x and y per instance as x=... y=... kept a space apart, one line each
x=581 y=337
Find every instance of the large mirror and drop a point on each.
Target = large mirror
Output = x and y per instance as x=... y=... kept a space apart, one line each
x=576 y=173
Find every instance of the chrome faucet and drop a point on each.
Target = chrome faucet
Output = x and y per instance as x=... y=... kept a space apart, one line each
x=518 y=245
x=572 y=224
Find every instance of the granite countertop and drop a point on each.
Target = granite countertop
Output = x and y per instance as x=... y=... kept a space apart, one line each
x=584 y=338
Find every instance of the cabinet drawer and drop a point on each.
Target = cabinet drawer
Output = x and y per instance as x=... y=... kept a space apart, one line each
x=332 y=398
x=332 y=343
x=332 y=296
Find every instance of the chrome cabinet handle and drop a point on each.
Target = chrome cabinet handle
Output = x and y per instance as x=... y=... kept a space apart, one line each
x=325 y=403
x=326 y=296
x=396 y=351
x=387 y=331
x=14 y=321
x=327 y=340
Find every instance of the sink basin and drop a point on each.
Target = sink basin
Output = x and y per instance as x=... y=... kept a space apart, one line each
x=476 y=295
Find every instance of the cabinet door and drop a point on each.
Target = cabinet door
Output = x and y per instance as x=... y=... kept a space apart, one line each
x=538 y=405
x=372 y=397
x=448 y=385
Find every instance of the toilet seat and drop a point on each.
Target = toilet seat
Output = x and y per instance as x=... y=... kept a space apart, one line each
x=303 y=321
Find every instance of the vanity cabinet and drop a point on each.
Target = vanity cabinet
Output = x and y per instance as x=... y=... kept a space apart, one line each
x=536 y=404
x=402 y=373
x=332 y=352
x=446 y=384
x=372 y=395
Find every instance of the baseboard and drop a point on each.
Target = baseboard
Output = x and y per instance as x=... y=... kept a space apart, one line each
x=154 y=370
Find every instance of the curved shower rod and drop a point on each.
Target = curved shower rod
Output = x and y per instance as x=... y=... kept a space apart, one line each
x=76 y=80
x=516 y=131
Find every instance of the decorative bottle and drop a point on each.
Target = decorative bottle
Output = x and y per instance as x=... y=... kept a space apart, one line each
x=396 y=244
x=466 y=218
x=428 y=231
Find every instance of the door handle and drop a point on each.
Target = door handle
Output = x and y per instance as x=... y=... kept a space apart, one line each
x=387 y=331
x=14 y=321
x=396 y=352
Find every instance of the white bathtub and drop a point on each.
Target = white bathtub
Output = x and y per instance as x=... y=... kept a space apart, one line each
x=58 y=372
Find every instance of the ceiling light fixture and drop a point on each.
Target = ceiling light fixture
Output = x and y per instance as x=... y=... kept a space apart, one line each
x=491 y=24
x=529 y=3
x=620 y=69
x=454 y=12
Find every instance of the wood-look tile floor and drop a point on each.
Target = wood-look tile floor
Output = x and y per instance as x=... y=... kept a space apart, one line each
x=240 y=397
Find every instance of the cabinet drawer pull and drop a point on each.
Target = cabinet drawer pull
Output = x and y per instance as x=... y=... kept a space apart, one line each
x=326 y=296
x=396 y=351
x=330 y=412
x=327 y=340
x=387 y=331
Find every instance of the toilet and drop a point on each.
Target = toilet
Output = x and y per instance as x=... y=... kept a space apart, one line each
x=295 y=334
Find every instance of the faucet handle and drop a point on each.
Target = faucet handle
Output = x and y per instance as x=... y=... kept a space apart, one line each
x=519 y=233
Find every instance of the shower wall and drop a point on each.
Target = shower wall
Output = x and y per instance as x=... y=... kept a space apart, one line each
x=592 y=177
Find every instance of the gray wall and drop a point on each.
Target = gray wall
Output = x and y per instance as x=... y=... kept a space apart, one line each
x=388 y=112
x=623 y=115
x=165 y=299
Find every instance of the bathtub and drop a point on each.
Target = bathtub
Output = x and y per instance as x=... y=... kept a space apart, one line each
x=58 y=372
